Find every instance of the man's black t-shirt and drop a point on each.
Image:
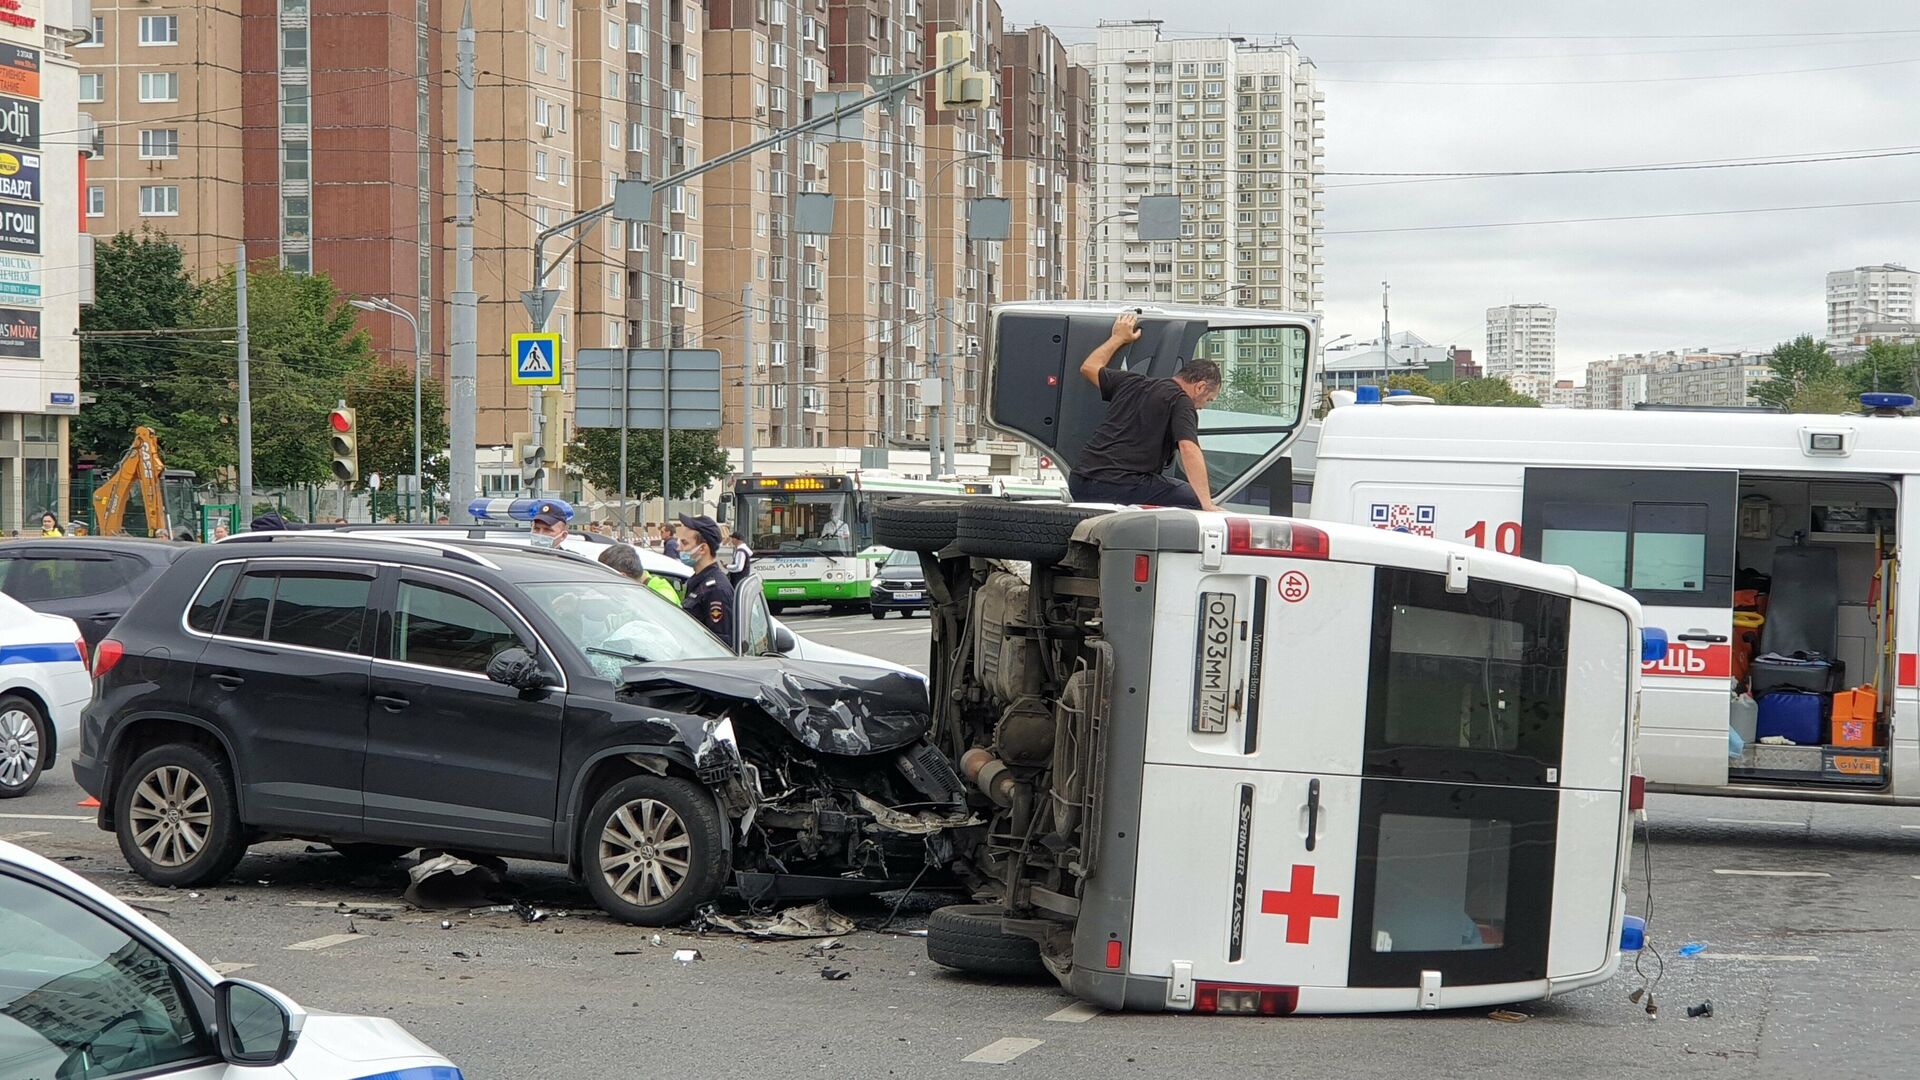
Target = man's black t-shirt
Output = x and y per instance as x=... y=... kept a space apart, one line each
x=710 y=600
x=1147 y=419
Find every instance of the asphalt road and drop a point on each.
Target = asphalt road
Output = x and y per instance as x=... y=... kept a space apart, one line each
x=1808 y=974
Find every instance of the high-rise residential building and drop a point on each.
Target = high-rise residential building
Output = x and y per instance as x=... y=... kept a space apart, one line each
x=1233 y=129
x=46 y=262
x=764 y=59
x=1520 y=342
x=1859 y=298
x=1044 y=160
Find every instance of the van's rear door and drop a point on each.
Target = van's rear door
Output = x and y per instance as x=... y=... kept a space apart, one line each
x=1667 y=537
x=1035 y=390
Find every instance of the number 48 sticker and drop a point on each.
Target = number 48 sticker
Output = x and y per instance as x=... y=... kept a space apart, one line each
x=1506 y=536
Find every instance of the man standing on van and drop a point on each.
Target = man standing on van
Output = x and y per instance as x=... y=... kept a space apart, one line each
x=1148 y=422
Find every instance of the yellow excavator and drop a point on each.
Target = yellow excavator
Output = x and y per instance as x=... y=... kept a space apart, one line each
x=142 y=470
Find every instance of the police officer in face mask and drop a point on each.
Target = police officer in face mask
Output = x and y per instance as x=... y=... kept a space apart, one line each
x=550 y=525
x=709 y=595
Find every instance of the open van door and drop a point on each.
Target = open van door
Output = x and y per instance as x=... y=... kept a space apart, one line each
x=1034 y=389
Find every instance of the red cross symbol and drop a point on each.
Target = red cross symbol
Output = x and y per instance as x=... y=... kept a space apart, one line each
x=1300 y=904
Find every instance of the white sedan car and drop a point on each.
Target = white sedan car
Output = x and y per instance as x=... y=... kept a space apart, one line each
x=43 y=686
x=89 y=988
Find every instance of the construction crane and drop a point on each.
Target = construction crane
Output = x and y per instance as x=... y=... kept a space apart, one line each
x=140 y=468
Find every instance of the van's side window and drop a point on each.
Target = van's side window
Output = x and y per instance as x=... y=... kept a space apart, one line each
x=1465 y=686
x=1666 y=536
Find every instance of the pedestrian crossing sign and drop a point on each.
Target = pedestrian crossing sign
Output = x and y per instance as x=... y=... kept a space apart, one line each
x=536 y=359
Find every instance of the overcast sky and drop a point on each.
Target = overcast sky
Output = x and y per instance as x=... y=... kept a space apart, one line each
x=1742 y=281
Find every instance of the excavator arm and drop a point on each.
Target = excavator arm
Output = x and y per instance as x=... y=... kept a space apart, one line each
x=139 y=467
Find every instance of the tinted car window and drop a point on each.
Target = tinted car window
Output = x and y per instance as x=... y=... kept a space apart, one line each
x=37 y=579
x=204 y=614
x=247 y=613
x=82 y=997
x=441 y=628
x=319 y=610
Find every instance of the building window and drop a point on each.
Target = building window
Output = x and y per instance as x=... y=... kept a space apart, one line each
x=97 y=36
x=158 y=144
x=539 y=57
x=539 y=164
x=93 y=87
x=96 y=201
x=159 y=29
x=159 y=200
x=539 y=9
x=157 y=85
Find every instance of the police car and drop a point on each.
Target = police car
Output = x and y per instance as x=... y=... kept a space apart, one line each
x=43 y=687
x=89 y=988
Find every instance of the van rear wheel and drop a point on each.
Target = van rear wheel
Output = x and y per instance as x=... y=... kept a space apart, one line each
x=968 y=937
x=916 y=524
x=1036 y=533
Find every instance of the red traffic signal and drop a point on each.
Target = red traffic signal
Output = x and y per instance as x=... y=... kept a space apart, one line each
x=341 y=420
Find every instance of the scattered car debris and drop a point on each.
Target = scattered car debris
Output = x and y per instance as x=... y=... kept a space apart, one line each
x=686 y=956
x=441 y=880
x=816 y=951
x=835 y=974
x=814 y=920
x=446 y=924
x=1700 y=1011
x=1692 y=948
x=1509 y=1016
x=656 y=941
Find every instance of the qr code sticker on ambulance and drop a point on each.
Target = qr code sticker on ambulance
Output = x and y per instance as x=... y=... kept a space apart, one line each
x=1402 y=517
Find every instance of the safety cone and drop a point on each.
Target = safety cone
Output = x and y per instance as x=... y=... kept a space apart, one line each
x=88 y=803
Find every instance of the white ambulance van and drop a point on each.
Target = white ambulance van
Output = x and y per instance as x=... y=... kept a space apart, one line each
x=1767 y=545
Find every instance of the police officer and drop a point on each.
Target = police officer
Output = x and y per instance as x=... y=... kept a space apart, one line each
x=709 y=595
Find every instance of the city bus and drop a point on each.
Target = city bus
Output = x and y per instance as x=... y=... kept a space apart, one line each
x=812 y=536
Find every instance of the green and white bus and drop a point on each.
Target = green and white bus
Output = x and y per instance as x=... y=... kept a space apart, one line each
x=811 y=534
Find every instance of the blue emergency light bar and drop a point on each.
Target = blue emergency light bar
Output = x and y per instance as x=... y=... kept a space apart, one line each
x=515 y=509
x=1886 y=401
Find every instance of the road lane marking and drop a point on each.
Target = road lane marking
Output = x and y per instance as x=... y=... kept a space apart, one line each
x=1001 y=1051
x=1910 y=826
x=16 y=837
x=146 y=899
x=1749 y=821
x=1774 y=873
x=228 y=969
x=348 y=906
x=48 y=817
x=1767 y=958
x=327 y=942
x=1077 y=1013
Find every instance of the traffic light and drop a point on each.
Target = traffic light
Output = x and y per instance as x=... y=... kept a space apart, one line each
x=531 y=459
x=966 y=86
x=344 y=437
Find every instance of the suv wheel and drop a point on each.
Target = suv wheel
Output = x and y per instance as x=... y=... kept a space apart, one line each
x=23 y=745
x=654 y=850
x=177 y=817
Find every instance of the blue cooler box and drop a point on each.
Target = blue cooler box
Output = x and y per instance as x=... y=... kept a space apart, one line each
x=1793 y=716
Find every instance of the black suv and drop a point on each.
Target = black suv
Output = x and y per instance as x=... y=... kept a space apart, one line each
x=91 y=580
x=383 y=695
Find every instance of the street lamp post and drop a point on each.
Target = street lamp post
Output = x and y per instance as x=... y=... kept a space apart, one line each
x=381 y=304
x=926 y=304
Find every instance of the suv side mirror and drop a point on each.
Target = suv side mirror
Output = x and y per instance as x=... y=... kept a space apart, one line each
x=255 y=1029
x=783 y=640
x=517 y=668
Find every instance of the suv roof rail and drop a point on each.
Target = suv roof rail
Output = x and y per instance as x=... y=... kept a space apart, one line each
x=450 y=550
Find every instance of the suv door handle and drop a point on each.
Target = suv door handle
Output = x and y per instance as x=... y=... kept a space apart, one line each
x=1711 y=639
x=104 y=616
x=229 y=682
x=393 y=702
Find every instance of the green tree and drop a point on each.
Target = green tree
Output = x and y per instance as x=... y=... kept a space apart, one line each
x=1831 y=392
x=305 y=349
x=1464 y=391
x=1887 y=366
x=1794 y=365
x=698 y=461
x=140 y=283
x=382 y=399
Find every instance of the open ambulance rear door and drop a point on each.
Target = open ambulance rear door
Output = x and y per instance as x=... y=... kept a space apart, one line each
x=1034 y=388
